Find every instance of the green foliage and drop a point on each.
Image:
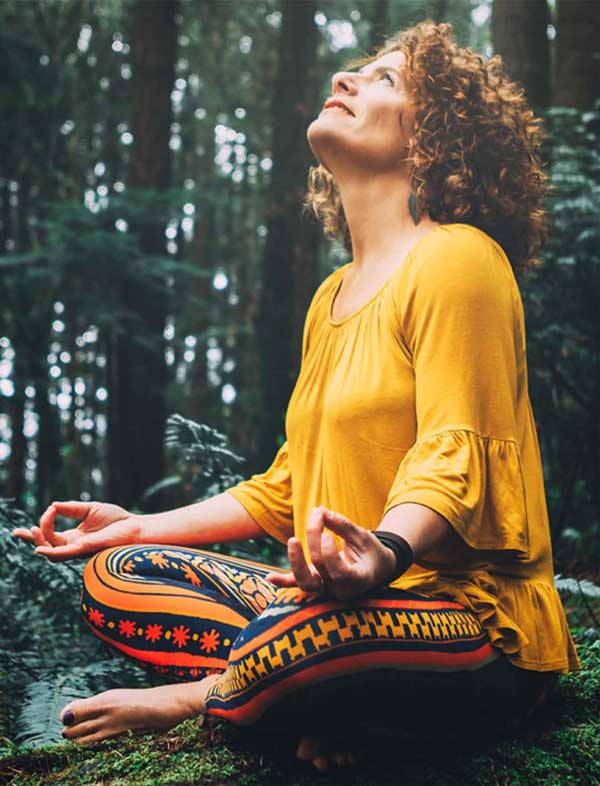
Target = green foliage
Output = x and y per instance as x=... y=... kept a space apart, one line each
x=204 y=451
x=47 y=656
x=574 y=586
x=563 y=334
x=85 y=262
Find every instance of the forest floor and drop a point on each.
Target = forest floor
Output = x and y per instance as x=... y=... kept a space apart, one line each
x=560 y=747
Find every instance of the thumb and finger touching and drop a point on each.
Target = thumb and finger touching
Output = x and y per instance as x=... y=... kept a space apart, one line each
x=61 y=551
x=86 y=544
x=305 y=574
x=78 y=540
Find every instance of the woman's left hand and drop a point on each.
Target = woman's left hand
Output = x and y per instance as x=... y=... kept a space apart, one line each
x=363 y=563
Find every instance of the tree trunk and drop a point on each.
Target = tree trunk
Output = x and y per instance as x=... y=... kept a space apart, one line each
x=138 y=411
x=519 y=35
x=576 y=69
x=379 y=23
x=290 y=263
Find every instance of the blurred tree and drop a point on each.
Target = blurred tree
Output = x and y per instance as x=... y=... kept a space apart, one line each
x=138 y=377
x=379 y=23
x=577 y=62
x=38 y=164
x=289 y=273
x=519 y=34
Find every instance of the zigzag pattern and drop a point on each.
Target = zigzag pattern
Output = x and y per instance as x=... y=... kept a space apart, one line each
x=395 y=635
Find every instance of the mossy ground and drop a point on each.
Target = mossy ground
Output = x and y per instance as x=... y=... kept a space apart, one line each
x=560 y=747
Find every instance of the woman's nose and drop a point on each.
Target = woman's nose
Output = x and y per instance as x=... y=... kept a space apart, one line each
x=343 y=80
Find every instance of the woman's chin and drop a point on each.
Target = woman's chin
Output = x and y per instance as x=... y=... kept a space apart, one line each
x=318 y=141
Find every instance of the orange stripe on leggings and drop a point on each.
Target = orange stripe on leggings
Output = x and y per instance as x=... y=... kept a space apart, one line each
x=248 y=712
x=410 y=604
x=151 y=597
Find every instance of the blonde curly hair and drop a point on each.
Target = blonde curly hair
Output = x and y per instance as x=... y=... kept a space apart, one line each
x=474 y=156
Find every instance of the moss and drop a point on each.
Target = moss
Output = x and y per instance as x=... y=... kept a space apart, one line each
x=560 y=747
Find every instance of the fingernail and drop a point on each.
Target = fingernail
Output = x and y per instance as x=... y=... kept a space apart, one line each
x=68 y=718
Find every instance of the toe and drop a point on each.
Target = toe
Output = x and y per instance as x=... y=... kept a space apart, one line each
x=308 y=748
x=80 y=710
x=81 y=730
x=320 y=763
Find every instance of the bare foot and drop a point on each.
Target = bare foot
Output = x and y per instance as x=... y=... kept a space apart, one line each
x=114 y=712
x=313 y=748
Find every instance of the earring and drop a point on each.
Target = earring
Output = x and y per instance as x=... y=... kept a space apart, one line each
x=415 y=207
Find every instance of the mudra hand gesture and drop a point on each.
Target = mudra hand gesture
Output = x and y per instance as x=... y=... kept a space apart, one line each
x=363 y=563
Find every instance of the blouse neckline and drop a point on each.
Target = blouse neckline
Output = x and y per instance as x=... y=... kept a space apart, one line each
x=339 y=322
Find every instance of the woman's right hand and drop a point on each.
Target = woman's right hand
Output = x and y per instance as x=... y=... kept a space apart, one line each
x=103 y=525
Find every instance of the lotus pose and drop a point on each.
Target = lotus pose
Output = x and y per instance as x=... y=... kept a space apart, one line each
x=420 y=601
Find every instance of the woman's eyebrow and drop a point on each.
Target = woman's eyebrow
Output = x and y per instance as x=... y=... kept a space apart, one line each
x=380 y=69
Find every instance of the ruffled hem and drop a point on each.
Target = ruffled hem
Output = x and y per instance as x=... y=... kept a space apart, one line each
x=541 y=641
x=473 y=481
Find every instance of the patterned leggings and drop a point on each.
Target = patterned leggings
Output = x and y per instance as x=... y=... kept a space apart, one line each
x=393 y=661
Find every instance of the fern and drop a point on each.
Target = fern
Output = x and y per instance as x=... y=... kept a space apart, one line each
x=43 y=641
x=38 y=722
x=570 y=586
x=196 y=445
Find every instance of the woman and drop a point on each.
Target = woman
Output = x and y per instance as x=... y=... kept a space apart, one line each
x=410 y=419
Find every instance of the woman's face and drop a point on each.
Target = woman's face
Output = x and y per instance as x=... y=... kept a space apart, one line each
x=374 y=136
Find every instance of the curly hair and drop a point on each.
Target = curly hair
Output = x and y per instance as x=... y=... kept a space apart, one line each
x=474 y=156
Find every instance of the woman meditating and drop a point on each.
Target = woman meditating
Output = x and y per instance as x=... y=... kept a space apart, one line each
x=420 y=600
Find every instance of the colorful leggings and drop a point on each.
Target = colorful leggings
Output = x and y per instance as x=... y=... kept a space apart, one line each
x=392 y=660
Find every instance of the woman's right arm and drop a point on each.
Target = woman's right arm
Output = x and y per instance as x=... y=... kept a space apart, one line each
x=214 y=520
x=217 y=519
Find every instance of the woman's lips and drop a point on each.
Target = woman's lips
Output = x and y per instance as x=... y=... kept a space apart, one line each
x=331 y=103
x=339 y=108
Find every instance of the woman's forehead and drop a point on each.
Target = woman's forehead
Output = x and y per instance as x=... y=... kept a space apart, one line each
x=395 y=59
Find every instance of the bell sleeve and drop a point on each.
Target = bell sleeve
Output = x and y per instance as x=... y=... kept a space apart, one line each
x=268 y=497
x=459 y=322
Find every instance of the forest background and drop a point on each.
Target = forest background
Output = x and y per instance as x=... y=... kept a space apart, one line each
x=156 y=269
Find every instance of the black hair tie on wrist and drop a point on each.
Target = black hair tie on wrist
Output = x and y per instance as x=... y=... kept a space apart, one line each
x=402 y=550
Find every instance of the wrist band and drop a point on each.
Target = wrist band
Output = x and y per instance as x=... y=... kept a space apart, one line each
x=400 y=547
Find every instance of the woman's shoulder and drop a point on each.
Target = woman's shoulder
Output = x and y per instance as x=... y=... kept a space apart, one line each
x=451 y=244
x=456 y=256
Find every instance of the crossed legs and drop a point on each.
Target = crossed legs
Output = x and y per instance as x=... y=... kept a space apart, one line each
x=283 y=659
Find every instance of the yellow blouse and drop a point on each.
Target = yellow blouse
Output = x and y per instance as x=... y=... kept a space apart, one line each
x=421 y=396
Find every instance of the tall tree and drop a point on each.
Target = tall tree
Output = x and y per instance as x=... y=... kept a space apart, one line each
x=138 y=375
x=290 y=262
x=519 y=35
x=576 y=67
x=379 y=23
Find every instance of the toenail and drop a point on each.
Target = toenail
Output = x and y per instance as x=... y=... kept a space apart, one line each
x=68 y=718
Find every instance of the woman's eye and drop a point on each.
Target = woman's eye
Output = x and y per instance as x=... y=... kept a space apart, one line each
x=389 y=77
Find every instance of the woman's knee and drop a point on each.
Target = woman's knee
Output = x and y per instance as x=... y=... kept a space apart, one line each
x=111 y=553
